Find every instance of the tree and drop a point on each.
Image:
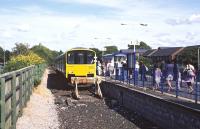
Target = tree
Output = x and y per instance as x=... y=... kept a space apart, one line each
x=20 y=49
x=21 y=61
x=110 y=49
x=1 y=52
x=7 y=54
x=98 y=52
x=189 y=53
x=142 y=45
x=45 y=53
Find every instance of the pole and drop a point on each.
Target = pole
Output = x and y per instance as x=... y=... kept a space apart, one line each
x=134 y=65
x=133 y=46
x=198 y=59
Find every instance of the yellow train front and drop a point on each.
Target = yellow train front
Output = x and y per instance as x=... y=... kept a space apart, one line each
x=81 y=63
x=79 y=67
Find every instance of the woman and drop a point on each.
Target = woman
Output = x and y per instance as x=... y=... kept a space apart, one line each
x=158 y=75
x=169 y=74
x=189 y=73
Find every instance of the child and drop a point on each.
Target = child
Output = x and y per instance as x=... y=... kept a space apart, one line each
x=158 y=75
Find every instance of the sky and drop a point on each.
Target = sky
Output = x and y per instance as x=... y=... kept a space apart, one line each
x=64 y=24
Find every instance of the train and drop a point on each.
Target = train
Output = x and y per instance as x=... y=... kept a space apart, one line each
x=79 y=67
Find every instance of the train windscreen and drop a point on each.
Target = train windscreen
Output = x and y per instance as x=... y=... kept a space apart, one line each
x=80 y=57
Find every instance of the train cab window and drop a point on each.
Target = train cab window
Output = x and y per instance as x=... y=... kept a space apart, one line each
x=90 y=58
x=80 y=58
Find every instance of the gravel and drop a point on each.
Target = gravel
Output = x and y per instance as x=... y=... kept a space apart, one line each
x=41 y=112
x=93 y=113
x=90 y=112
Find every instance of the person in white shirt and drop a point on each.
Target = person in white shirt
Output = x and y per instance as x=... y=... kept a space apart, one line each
x=189 y=73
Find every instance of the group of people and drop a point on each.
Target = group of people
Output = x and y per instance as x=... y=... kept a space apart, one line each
x=105 y=68
x=168 y=71
x=173 y=71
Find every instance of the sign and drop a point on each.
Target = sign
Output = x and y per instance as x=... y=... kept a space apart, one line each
x=135 y=43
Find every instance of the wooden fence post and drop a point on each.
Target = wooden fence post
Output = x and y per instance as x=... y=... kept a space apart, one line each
x=20 y=93
x=3 y=115
x=32 y=77
x=29 y=84
x=13 y=101
x=25 y=88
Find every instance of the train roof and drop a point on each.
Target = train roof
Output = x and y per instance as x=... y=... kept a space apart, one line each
x=80 y=48
x=76 y=48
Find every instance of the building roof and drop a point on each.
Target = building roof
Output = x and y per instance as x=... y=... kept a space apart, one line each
x=108 y=56
x=127 y=51
x=166 y=51
x=149 y=52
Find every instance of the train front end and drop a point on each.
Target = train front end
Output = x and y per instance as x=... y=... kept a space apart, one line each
x=81 y=65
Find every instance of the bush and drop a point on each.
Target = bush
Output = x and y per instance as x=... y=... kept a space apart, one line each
x=21 y=61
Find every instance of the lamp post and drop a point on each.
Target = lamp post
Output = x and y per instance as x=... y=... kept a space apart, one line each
x=136 y=70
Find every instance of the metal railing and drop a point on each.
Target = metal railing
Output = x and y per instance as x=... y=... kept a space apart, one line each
x=15 y=90
x=147 y=81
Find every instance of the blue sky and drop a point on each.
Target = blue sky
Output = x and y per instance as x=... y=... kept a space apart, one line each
x=63 y=24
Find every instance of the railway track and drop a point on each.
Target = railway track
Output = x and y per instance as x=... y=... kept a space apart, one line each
x=90 y=112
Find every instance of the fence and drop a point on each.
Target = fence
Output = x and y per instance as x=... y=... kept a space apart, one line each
x=147 y=81
x=15 y=90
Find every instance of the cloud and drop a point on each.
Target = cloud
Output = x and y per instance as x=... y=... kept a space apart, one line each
x=7 y=34
x=106 y=3
x=195 y=18
x=23 y=27
x=159 y=35
x=61 y=30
